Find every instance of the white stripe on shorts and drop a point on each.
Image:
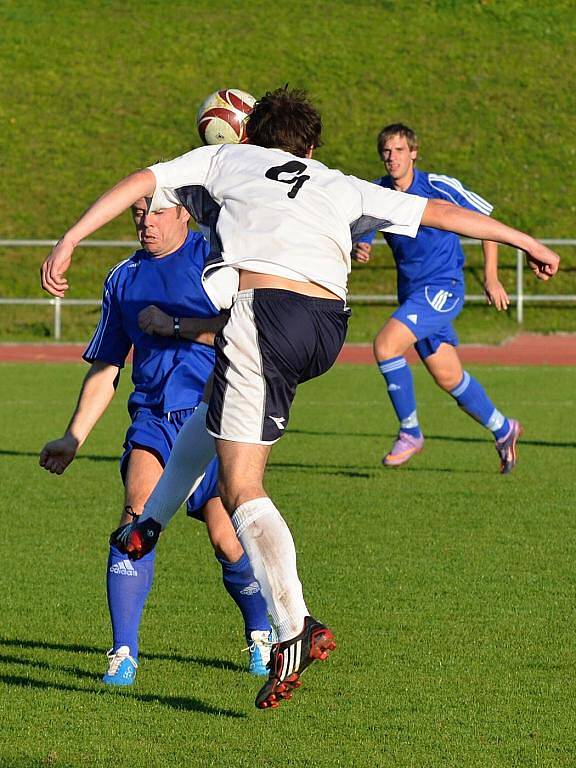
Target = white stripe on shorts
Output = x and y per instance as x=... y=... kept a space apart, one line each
x=244 y=399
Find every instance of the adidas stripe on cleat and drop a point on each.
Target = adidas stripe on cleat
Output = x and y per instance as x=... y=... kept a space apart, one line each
x=290 y=658
x=136 y=538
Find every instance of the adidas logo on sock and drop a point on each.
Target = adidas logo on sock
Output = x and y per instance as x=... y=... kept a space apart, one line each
x=123 y=568
x=251 y=589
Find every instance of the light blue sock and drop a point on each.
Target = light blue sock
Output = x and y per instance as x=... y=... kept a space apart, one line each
x=243 y=588
x=128 y=584
x=400 y=386
x=472 y=398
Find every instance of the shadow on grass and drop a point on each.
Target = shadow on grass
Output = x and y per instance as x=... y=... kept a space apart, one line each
x=82 y=457
x=72 y=648
x=326 y=433
x=428 y=436
x=322 y=469
x=188 y=704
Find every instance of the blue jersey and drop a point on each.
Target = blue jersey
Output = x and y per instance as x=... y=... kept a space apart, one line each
x=168 y=374
x=434 y=256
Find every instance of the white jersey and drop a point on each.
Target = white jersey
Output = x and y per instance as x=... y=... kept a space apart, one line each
x=269 y=211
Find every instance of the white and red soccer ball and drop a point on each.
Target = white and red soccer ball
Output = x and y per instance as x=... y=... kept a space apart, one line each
x=221 y=118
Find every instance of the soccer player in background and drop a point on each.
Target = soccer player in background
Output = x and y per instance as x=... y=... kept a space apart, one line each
x=173 y=357
x=281 y=232
x=431 y=287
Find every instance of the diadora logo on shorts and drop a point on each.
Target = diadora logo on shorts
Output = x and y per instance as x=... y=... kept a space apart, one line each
x=124 y=568
x=413 y=318
x=279 y=421
x=252 y=589
x=440 y=300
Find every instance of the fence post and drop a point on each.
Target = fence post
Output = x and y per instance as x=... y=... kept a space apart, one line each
x=57 y=318
x=519 y=286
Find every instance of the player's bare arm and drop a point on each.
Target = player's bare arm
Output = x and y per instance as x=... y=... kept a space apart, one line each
x=110 y=205
x=97 y=391
x=493 y=288
x=153 y=321
x=444 y=215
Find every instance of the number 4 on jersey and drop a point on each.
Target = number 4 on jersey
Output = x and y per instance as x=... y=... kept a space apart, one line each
x=297 y=178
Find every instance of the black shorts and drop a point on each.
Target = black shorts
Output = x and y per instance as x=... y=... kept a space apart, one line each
x=273 y=341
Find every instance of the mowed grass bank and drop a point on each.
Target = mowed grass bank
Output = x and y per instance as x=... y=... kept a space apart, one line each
x=91 y=91
x=450 y=589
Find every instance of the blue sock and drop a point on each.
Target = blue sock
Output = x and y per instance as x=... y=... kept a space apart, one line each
x=128 y=584
x=243 y=588
x=400 y=385
x=472 y=398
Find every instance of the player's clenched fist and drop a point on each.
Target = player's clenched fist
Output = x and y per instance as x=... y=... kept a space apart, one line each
x=361 y=252
x=155 y=322
x=54 y=267
x=58 y=454
x=542 y=261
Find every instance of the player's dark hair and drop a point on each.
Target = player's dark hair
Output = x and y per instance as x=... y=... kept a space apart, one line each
x=285 y=119
x=396 y=129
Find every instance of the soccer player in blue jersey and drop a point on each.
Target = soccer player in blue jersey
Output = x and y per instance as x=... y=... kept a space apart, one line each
x=430 y=284
x=173 y=357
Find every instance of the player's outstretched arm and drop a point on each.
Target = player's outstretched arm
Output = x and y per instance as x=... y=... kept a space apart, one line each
x=444 y=215
x=97 y=391
x=493 y=288
x=110 y=205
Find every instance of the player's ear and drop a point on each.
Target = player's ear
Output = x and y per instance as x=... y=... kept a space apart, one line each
x=183 y=213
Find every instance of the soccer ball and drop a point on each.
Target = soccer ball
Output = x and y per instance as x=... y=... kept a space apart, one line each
x=222 y=116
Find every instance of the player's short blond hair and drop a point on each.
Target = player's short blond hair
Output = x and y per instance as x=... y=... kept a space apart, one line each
x=396 y=129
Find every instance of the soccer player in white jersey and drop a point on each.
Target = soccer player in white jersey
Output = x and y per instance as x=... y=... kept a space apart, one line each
x=431 y=295
x=281 y=232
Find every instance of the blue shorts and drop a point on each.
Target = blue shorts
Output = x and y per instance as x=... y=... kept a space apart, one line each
x=429 y=313
x=156 y=432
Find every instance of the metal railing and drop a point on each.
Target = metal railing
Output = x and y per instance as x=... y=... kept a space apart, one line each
x=519 y=299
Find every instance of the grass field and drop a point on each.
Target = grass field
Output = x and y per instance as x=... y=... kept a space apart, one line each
x=450 y=588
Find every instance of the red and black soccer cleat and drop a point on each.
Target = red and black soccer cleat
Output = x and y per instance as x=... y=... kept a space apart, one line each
x=136 y=538
x=290 y=658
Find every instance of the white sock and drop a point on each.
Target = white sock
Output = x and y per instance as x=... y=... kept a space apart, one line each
x=192 y=452
x=269 y=545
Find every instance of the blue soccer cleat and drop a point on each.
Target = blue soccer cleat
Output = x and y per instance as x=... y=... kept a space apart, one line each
x=122 y=667
x=259 y=648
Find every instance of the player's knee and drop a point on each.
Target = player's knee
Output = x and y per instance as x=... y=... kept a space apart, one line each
x=447 y=380
x=385 y=346
x=233 y=494
x=381 y=348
